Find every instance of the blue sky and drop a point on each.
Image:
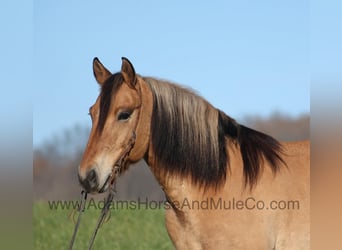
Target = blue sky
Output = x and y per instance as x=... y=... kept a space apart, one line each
x=245 y=57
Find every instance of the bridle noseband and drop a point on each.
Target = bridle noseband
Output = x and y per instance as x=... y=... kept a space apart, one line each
x=112 y=178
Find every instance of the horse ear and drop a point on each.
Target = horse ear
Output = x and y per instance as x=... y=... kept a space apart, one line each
x=100 y=72
x=128 y=72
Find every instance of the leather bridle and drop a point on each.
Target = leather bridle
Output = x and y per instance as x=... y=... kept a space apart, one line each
x=112 y=179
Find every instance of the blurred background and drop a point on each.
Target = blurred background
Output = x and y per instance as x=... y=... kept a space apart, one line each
x=248 y=58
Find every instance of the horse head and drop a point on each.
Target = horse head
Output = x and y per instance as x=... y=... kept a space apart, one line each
x=120 y=114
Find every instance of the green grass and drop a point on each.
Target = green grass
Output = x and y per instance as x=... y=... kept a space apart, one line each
x=126 y=229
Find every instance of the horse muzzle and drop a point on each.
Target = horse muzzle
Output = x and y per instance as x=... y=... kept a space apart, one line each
x=91 y=182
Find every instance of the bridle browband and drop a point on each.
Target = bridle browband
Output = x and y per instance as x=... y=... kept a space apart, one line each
x=112 y=179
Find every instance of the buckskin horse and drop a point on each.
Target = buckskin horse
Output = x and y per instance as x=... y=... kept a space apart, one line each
x=199 y=154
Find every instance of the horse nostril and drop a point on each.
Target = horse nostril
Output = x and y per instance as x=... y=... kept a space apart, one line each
x=91 y=176
x=90 y=183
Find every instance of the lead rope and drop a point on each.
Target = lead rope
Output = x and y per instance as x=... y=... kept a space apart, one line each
x=105 y=209
x=112 y=188
x=110 y=197
x=80 y=212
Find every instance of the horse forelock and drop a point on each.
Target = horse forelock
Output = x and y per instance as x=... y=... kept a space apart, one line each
x=108 y=91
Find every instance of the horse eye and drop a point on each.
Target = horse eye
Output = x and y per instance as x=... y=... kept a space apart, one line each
x=124 y=116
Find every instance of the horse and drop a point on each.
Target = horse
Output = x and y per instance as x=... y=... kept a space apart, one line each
x=226 y=185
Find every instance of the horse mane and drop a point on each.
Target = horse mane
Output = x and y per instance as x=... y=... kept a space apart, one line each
x=189 y=138
x=255 y=147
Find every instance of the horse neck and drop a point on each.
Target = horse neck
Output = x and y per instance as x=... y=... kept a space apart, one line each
x=181 y=187
x=175 y=187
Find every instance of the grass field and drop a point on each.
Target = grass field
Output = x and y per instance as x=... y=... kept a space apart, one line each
x=126 y=229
